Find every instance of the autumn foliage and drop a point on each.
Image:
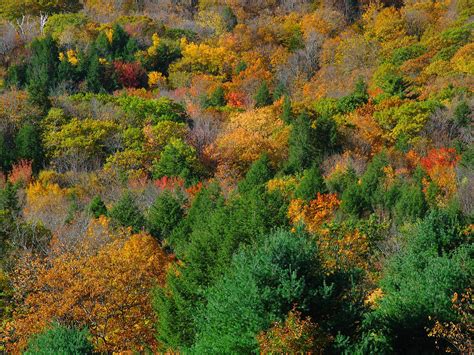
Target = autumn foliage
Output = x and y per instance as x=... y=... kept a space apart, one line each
x=116 y=268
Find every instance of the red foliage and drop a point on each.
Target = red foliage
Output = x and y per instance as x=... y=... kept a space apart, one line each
x=129 y=75
x=446 y=157
x=21 y=172
x=193 y=190
x=236 y=99
x=169 y=183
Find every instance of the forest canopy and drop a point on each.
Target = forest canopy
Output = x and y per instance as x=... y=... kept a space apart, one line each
x=236 y=177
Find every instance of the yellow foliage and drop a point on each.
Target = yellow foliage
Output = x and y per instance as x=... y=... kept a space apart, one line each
x=248 y=135
x=203 y=58
x=314 y=214
x=463 y=60
x=285 y=185
x=106 y=289
x=72 y=57
x=155 y=79
x=373 y=298
x=109 y=33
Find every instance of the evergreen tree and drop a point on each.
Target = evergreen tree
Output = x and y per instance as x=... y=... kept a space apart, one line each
x=42 y=70
x=9 y=198
x=130 y=49
x=259 y=173
x=28 y=145
x=120 y=40
x=178 y=159
x=97 y=207
x=287 y=112
x=94 y=77
x=102 y=46
x=230 y=20
x=462 y=114
x=280 y=91
x=6 y=152
x=164 y=215
x=263 y=96
x=126 y=213
x=419 y=282
x=257 y=290
x=60 y=340
x=216 y=99
x=311 y=183
x=302 y=145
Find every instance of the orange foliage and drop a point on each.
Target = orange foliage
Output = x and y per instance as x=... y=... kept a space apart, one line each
x=439 y=164
x=459 y=335
x=21 y=172
x=339 y=248
x=105 y=288
x=314 y=214
x=344 y=250
x=368 y=128
x=295 y=335
x=246 y=137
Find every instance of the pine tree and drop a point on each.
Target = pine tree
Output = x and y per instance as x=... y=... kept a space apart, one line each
x=229 y=18
x=311 y=183
x=28 y=145
x=93 y=77
x=126 y=213
x=263 y=96
x=258 y=174
x=42 y=71
x=302 y=145
x=164 y=215
x=97 y=207
x=287 y=113
x=60 y=340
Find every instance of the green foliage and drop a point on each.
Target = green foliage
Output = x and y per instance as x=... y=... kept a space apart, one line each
x=229 y=18
x=178 y=159
x=86 y=138
x=309 y=141
x=287 y=112
x=9 y=198
x=126 y=213
x=389 y=79
x=401 y=55
x=462 y=114
x=419 y=282
x=311 y=183
x=60 y=340
x=216 y=99
x=6 y=152
x=164 y=215
x=28 y=145
x=13 y=9
x=97 y=207
x=42 y=70
x=357 y=98
x=168 y=51
x=407 y=120
x=262 y=285
x=59 y=23
x=16 y=76
x=411 y=203
x=370 y=192
x=162 y=109
x=263 y=96
x=241 y=66
x=94 y=77
x=258 y=174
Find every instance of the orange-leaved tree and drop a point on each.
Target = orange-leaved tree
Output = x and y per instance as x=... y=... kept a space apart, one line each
x=103 y=286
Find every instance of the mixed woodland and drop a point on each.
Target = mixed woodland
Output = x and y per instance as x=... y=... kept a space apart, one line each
x=213 y=177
